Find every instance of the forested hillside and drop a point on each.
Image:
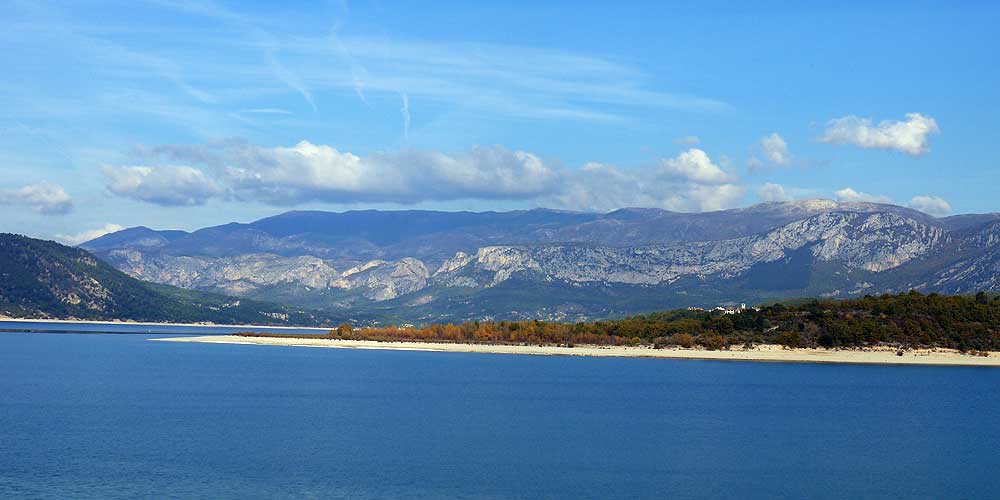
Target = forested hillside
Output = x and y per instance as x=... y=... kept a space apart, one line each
x=43 y=279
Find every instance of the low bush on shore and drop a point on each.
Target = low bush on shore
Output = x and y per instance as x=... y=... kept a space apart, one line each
x=909 y=320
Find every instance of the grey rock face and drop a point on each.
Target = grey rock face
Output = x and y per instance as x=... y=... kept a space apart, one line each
x=873 y=242
x=970 y=264
x=233 y=275
x=243 y=274
x=379 y=280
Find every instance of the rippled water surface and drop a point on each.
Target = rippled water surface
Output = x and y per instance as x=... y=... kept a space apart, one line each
x=118 y=416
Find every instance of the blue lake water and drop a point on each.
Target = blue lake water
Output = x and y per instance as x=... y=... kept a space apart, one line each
x=153 y=328
x=118 y=416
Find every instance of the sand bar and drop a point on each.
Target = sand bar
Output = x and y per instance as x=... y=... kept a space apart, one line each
x=760 y=353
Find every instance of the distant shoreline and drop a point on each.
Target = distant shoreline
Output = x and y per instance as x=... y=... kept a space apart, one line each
x=5 y=319
x=763 y=353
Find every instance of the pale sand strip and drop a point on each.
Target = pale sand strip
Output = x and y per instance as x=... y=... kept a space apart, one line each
x=759 y=353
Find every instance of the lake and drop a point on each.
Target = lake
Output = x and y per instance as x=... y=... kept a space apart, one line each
x=13 y=325
x=117 y=416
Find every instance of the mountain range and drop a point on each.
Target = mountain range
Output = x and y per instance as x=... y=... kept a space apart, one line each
x=420 y=266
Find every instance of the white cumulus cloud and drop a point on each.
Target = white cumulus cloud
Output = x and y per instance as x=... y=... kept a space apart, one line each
x=771 y=192
x=695 y=165
x=85 y=236
x=910 y=136
x=44 y=198
x=851 y=196
x=931 y=205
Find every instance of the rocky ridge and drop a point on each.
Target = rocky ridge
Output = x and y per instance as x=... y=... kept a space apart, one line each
x=817 y=247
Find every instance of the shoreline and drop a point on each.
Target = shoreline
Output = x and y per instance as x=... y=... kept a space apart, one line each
x=6 y=319
x=760 y=353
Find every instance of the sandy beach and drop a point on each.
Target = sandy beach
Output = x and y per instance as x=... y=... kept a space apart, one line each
x=769 y=353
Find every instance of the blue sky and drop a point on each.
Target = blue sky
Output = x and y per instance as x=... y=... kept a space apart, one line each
x=187 y=114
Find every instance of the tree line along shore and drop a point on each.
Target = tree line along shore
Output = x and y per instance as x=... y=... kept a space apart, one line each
x=970 y=324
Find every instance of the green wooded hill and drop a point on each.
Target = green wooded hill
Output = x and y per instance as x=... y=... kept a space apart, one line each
x=43 y=279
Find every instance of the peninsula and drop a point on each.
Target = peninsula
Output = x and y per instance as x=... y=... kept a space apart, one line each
x=905 y=328
x=768 y=352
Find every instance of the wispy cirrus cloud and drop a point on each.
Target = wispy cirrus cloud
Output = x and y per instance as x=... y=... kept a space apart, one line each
x=226 y=65
x=267 y=111
x=268 y=44
x=528 y=73
x=405 y=111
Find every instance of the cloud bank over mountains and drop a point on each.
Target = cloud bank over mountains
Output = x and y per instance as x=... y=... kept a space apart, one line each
x=932 y=205
x=307 y=172
x=164 y=185
x=691 y=181
x=44 y=198
x=84 y=236
x=850 y=195
x=771 y=192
